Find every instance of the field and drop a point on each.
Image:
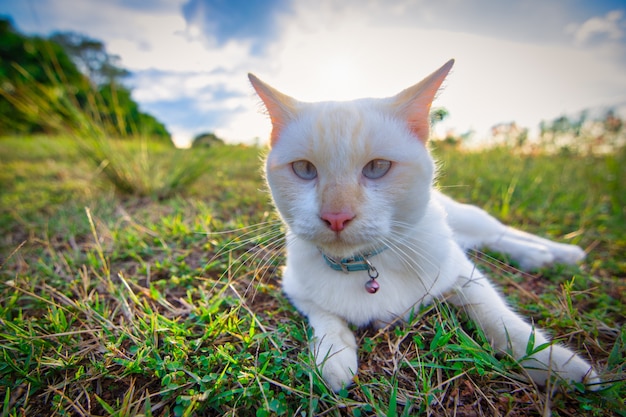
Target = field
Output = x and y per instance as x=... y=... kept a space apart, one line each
x=165 y=299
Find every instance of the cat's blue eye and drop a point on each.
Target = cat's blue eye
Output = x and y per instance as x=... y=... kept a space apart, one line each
x=304 y=169
x=376 y=168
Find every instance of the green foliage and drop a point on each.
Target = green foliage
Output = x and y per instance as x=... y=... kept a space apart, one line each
x=55 y=97
x=438 y=115
x=42 y=90
x=122 y=116
x=582 y=133
x=206 y=140
x=143 y=168
x=24 y=60
x=91 y=57
x=146 y=306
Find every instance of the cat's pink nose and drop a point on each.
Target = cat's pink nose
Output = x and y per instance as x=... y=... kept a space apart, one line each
x=337 y=221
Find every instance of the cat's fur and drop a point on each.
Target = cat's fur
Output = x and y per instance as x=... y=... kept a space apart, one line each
x=333 y=204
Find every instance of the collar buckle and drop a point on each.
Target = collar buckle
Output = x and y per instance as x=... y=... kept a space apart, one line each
x=354 y=263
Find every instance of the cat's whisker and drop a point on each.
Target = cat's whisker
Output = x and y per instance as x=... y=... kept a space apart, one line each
x=269 y=234
x=269 y=239
x=264 y=255
x=244 y=239
x=409 y=227
x=413 y=268
x=274 y=250
x=330 y=161
x=251 y=237
x=420 y=254
x=267 y=255
x=402 y=256
x=253 y=227
x=408 y=233
x=482 y=257
x=412 y=243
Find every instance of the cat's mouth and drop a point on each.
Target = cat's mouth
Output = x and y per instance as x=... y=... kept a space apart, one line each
x=345 y=244
x=343 y=251
x=336 y=244
x=357 y=236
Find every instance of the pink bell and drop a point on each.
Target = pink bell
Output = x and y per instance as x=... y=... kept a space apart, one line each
x=372 y=286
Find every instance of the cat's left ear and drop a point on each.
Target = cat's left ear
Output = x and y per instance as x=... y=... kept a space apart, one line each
x=280 y=107
x=414 y=103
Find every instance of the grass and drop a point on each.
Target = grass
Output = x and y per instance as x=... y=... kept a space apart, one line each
x=170 y=304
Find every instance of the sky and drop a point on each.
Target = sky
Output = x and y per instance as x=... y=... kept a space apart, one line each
x=522 y=61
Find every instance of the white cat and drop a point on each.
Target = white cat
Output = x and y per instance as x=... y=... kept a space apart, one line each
x=473 y=228
x=368 y=238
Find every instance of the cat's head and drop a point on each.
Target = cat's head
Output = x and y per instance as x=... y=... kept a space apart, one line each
x=346 y=176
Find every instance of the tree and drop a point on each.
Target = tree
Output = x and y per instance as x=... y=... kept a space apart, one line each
x=438 y=114
x=612 y=122
x=206 y=139
x=26 y=62
x=123 y=116
x=91 y=57
x=43 y=90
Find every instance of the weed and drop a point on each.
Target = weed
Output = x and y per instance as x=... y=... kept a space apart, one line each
x=126 y=305
x=133 y=162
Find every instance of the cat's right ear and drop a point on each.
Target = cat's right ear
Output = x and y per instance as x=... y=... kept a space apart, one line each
x=280 y=107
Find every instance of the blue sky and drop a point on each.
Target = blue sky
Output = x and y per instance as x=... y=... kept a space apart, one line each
x=524 y=60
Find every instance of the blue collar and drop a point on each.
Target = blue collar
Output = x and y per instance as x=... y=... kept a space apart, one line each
x=354 y=263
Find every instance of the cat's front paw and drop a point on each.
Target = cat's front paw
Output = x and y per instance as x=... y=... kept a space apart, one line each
x=338 y=363
x=560 y=361
x=339 y=369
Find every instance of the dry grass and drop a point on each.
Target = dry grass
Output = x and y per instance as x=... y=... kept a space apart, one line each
x=141 y=306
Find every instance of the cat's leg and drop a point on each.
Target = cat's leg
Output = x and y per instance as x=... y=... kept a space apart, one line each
x=474 y=228
x=508 y=332
x=562 y=252
x=334 y=347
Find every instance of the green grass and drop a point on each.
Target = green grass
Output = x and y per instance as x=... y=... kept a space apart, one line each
x=136 y=304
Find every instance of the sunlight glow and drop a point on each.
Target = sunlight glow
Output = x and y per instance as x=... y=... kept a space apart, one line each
x=342 y=50
x=341 y=78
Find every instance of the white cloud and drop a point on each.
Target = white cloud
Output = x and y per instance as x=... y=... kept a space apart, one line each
x=155 y=37
x=342 y=50
x=108 y=21
x=175 y=52
x=607 y=26
x=495 y=80
x=153 y=86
